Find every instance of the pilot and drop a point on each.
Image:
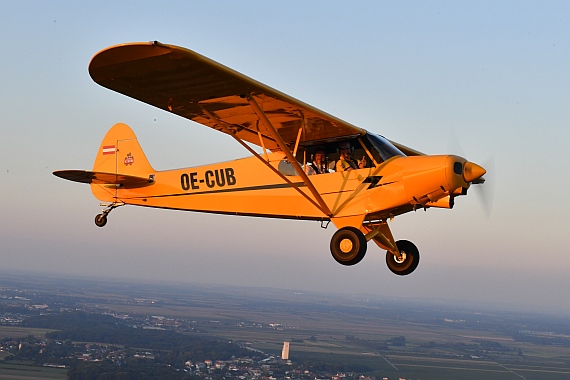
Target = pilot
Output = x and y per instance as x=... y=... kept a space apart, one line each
x=346 y=162
x=318 y=165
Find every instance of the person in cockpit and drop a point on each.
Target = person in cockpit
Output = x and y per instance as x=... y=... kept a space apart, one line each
x=318 y=165
x=345 y=161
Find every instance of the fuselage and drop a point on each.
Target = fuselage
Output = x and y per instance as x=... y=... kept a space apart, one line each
x=248 y=187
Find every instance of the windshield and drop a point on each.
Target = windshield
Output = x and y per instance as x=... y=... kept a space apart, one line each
x=382 y=147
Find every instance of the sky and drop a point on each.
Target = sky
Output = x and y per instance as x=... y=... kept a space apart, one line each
x=484 y=79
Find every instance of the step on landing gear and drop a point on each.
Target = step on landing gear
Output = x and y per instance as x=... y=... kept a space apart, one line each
x=101 y=219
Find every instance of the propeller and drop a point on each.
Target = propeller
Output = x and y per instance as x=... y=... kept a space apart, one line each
x=483 y=178
x=485 y=189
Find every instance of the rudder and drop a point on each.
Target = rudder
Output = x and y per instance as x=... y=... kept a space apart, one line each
x=121 y=153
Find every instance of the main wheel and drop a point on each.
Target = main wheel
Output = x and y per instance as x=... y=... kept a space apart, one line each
x=101 y=220
x=410 y=258
x=348 y=246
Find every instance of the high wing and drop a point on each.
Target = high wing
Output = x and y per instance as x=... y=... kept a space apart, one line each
x=190 y=85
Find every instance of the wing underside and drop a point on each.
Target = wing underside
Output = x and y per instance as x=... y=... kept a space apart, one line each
x=190 y=85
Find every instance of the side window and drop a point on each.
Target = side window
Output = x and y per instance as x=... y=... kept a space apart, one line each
x=286 y=168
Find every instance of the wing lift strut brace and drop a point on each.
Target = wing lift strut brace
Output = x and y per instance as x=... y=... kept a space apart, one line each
x=230 y=129
x=380 y=232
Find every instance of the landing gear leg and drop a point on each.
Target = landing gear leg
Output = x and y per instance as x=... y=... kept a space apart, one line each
x=402 y=256
x=101 y=219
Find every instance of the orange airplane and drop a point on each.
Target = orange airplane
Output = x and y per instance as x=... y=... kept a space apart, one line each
x=303 y=165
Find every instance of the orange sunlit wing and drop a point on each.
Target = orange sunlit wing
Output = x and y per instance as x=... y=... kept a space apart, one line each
x=190 y=85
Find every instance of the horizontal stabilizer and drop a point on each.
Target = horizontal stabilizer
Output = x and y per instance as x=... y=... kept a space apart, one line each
x=100 y=178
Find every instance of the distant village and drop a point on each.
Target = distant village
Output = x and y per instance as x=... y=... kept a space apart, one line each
x=66 y=353
x=237 y=368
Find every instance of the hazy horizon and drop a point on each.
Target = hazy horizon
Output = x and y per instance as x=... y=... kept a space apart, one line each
x=461 y=304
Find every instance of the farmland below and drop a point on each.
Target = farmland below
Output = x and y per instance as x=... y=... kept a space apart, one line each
x=171 y=325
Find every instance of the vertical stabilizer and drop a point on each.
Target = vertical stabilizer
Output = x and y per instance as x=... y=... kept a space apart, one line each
x=119 y=153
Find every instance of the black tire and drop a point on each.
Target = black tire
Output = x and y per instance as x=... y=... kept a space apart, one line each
x=348 y=246
x=410 y=258
x=101 y=220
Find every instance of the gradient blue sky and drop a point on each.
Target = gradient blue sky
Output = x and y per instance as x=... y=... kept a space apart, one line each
x=489 y=80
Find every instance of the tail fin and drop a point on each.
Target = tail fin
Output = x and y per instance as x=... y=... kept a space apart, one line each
x=120 y=164
x=120 y=153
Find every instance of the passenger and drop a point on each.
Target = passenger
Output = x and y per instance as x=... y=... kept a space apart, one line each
x=318 y=166
x=345 y=161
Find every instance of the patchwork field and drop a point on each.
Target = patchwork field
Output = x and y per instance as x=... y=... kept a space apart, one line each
x=383 y=338
x=27 y=371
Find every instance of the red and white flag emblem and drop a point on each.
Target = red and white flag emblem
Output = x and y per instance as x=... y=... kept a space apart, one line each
x=109 y=149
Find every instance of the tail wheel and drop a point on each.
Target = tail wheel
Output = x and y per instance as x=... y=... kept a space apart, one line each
x=348 y=246
x=409 y=261
x=101 y=220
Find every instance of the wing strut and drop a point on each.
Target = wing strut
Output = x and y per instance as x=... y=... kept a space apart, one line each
x=368 y=152
x=262 y=143
x=301 y=127
x=223 y=126
x=323 y=206
x=277 y=172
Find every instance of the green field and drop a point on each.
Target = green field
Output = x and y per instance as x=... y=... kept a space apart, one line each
x=27 y=371
x=21 y=332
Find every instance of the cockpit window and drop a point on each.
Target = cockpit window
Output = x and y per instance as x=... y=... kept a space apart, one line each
x=375 y=148
x=382 y=147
